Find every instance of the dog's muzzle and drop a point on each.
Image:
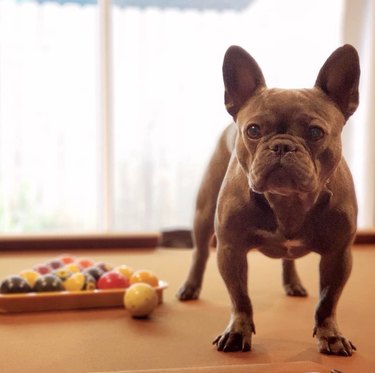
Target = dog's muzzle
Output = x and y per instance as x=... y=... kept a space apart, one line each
x=282 y=166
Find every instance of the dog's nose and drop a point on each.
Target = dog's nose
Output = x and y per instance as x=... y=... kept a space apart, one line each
x=283 y=147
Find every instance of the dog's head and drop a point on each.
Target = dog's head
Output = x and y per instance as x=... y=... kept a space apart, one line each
x=289 y=141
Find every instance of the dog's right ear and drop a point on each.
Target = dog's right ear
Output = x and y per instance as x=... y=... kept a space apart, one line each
x=242 y=78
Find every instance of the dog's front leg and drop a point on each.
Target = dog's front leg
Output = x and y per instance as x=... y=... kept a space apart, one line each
x=335 y=269
x=233 y=268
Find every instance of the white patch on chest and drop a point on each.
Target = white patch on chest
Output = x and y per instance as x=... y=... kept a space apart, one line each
x=275 y=245
x=292 y=245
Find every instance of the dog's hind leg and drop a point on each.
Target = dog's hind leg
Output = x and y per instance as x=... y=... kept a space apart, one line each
x=291 y=281
x=203 y=229
x=202 y=234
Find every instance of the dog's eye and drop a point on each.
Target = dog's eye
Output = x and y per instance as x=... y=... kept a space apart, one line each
x=253 y=131
x=315 y=133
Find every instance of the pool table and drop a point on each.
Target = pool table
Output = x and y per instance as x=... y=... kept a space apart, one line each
x=178 y=336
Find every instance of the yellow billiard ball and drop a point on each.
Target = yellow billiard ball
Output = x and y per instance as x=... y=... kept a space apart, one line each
x=140 y=300
x=144 y=276
x=30 y=276
x=125 y=270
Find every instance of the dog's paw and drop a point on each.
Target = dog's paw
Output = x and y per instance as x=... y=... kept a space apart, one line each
x=232 y=342
x=295 y=290
x=334 y=344
x=237 y=336
x=188 y=292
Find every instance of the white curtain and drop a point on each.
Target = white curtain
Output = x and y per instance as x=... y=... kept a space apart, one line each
x=359 y=140
x=48 y=116
x=168 y=108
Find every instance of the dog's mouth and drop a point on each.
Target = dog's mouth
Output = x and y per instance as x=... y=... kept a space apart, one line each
x=283 y=176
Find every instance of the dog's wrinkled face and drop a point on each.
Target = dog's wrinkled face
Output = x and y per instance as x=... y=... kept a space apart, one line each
x=289 y=140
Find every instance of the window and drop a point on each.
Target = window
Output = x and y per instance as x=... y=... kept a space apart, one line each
x=48 y=116
x=109 y=111
x=168 y=92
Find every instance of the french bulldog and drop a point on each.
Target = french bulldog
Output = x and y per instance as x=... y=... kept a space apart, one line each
x=277 y=182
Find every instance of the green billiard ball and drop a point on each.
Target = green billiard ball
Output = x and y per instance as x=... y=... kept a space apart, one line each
x=14 y=284
x=62 y=273
x=48 y=282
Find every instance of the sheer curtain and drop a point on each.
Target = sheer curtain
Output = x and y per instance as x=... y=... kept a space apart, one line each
x=168 y=91
x=359 y=30
x=164 y=106
x=48 y=117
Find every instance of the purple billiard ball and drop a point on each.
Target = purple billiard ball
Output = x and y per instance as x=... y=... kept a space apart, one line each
x=95 y=272
x=55 y=264
x=106 y=267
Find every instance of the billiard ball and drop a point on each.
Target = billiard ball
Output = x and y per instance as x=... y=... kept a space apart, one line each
x=84 y=263
x=72 y=267
x=43 y=269
x=140 y=300
x=48 y=282
x=66 y=259
x=30 y=276
x=75 y=282
x=125 y=270
x=80 y=281
x=94 y=271
x=14 y=284
x=113 y=280
x=106 y=267
x=62 y=273
x=144 y=276
x=55 y=264
x=90 y=282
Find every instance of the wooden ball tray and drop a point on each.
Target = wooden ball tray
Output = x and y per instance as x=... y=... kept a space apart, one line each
x=67 y=300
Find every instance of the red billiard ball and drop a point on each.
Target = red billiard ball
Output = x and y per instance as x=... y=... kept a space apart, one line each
x=43 y=269
x=14 y=284
x=113 y=280
x=67 y=259
x=84 y=262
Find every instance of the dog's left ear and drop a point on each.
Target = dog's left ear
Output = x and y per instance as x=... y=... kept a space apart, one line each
x=242 y=78
x=339 y=79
